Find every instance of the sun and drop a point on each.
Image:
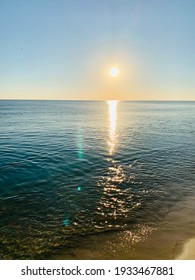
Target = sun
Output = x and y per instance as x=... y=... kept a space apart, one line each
x=114 y=72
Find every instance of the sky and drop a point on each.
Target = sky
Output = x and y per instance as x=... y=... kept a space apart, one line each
x=63 y=49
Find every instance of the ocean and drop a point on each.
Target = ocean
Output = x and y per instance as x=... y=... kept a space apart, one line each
x=96 y=179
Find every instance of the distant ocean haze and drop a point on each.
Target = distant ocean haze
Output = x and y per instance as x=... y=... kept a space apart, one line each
x=76 y=169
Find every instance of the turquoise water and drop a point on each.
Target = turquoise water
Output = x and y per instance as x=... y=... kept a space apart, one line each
x=76 y=169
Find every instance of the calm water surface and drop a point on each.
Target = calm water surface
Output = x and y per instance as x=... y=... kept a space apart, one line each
x=77 y=173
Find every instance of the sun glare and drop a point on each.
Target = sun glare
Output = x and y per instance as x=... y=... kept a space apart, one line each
x=114 y=72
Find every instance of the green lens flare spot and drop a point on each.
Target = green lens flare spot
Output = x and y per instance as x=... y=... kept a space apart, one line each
x=66 y=222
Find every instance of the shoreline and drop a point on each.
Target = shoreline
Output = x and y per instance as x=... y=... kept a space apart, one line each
x=188 y=250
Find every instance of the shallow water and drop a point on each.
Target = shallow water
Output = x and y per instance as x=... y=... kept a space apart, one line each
x=111 y=173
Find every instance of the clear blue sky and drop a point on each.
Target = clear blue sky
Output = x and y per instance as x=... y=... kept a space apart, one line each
x=61 y=49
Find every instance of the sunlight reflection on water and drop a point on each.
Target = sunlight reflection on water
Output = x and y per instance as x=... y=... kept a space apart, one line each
x=112 y=125
x=75 y=169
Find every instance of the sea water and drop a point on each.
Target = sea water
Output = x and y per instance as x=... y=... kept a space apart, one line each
x=95 y=179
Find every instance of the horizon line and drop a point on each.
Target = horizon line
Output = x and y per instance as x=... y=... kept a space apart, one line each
x=95 y=100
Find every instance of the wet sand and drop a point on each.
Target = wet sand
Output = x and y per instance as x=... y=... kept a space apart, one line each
x=173 y=238
x=188 y=251
x=129 y=245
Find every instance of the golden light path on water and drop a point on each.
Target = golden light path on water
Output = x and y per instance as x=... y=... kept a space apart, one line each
x=112 y=125
x=112 y=204
x=116 y=203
